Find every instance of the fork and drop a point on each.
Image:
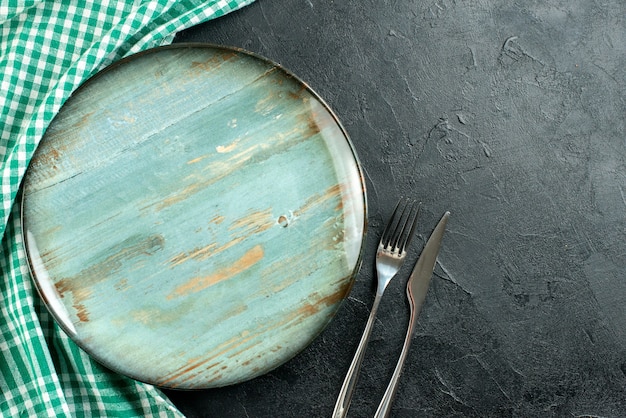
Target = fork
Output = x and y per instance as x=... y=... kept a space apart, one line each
x=389 y=258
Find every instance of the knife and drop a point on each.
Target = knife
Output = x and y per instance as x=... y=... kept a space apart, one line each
x=416 y=290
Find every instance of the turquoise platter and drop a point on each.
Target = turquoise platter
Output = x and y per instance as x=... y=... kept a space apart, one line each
x=194 y=216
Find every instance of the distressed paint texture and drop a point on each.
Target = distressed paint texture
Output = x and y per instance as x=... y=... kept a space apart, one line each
x=195 y=216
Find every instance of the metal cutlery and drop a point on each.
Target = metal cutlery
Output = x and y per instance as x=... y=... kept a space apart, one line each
x=389 y=258
x=417 y=287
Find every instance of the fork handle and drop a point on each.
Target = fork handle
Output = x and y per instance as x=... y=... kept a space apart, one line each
x=349 y=383
x=384 y=408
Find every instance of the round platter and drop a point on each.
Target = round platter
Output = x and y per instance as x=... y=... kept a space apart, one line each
x=194 y=216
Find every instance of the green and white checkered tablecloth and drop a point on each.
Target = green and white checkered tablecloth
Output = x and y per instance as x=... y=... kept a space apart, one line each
x=47 y=49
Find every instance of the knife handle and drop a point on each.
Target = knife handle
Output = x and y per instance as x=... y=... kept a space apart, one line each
x=384 y=408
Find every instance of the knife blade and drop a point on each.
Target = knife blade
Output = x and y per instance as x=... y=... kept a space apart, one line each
x=419 y=280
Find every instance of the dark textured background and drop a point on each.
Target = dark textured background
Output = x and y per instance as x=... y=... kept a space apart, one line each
x=511 y=116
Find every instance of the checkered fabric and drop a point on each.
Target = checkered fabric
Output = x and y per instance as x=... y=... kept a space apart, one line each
x=47 y=49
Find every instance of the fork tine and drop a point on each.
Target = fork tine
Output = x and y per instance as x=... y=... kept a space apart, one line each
x=399 y=226
x=415 y=210
x=385 y=239
x=402 y=233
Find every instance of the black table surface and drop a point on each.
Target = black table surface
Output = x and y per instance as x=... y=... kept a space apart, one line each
x=511 y=116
